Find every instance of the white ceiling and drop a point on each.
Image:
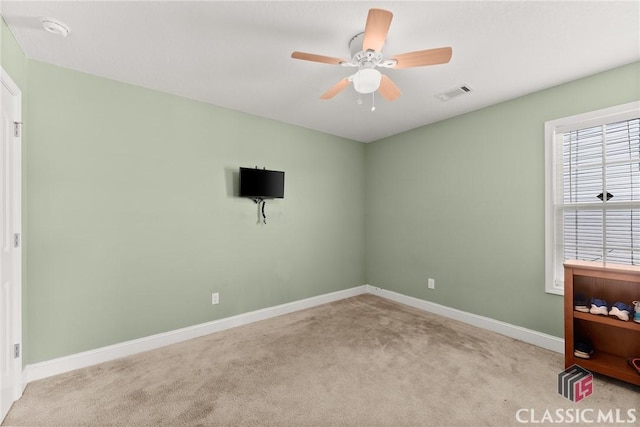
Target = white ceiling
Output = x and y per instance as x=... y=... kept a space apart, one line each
x=236 y=54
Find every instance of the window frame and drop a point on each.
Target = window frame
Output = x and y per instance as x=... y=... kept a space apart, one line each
x=554 y=131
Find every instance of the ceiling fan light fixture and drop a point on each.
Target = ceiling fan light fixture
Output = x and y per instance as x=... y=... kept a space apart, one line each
x=55 y=27
x=366 y=80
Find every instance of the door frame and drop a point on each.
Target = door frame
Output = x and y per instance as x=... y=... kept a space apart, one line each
x=16 y=191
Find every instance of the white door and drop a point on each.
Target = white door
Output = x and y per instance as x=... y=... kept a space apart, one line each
x=10 y=244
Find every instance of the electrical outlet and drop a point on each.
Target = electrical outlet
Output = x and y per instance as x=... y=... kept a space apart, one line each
x=215 y=298
x=431 y=284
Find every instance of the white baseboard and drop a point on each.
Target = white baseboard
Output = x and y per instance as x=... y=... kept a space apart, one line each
x=60 y=365
x=523 y=334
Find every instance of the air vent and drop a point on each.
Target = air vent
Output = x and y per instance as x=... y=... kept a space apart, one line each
x=460 y=90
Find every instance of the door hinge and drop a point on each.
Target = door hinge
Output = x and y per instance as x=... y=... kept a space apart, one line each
x=16 y=240
x=17 y=129
x=16 y=351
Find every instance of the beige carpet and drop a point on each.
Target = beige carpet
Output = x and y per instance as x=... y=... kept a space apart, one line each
x=363 y=361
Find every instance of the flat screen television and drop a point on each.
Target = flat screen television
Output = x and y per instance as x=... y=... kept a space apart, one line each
x=261 y=183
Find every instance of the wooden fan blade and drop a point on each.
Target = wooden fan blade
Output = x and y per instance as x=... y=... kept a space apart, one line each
x=317 y=58
x=376 y=29
x=339 y=87
x=421 y=58
x=388 y=89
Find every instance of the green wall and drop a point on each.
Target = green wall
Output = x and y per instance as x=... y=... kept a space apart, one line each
x=134 y=219
x=12 y=58
x=462 y=201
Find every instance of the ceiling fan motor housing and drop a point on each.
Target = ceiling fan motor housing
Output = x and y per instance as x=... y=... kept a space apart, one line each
x=355 y=44
x=365 y=59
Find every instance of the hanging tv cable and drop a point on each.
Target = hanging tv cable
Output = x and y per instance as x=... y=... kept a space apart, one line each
x=261 y=204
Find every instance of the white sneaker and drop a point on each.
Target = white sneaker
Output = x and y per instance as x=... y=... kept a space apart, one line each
x=621 y=311
x=599 y=306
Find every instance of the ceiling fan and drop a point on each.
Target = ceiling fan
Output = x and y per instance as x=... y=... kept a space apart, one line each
x=366 y=55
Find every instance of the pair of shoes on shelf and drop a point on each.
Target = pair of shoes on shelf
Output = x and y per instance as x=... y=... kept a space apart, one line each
x=620 y=310
x=582 y=348
x=580 y=303
x=636 y=317
x=599 y=306
x=634 y=362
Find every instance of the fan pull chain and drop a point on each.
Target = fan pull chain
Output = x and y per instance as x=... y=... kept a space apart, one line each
x=373 y=101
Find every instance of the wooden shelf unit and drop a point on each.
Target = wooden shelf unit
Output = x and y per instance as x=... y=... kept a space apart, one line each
x=614 y=341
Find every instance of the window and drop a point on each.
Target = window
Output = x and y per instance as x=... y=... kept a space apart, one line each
x=592 y=190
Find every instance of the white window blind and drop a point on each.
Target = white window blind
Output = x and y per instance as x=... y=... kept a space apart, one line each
x=593 y=211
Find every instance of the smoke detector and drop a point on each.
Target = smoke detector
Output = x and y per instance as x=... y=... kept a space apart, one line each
x=55 y=26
